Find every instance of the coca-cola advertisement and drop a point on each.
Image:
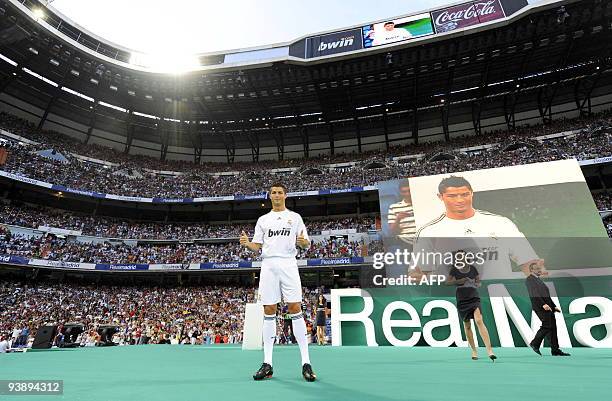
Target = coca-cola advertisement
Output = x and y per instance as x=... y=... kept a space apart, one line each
x=467 y=14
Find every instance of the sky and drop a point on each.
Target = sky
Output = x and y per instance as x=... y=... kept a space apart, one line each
x=192 y=26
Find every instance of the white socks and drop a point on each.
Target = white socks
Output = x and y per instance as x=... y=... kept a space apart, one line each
x=269 y=335
x=299 y=331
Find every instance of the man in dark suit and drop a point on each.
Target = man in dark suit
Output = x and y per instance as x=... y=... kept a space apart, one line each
x=543 y=305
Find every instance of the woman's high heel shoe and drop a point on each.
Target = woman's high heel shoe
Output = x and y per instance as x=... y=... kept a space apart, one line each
x=493 y=357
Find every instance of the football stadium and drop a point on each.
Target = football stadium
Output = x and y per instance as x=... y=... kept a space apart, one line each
x=403 y=207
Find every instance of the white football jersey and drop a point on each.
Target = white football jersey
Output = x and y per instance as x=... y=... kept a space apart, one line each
x=383 y=36
x=496 y=238
x=278 y=231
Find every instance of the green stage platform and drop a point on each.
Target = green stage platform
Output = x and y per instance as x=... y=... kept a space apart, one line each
x=172 y=372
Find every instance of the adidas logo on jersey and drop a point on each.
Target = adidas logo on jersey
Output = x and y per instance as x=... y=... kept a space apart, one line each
x=283 y=232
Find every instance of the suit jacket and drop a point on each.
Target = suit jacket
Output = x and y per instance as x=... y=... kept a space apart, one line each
x=539 y=293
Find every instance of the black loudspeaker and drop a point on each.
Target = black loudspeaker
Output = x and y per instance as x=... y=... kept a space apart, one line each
x=44 y=337
x=106 y=333
x=71 y=332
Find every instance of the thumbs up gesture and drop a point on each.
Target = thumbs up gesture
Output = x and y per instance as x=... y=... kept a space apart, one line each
x=301 y=241
x=244 y=239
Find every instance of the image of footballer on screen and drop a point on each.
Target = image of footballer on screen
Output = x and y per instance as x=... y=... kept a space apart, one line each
x=397 y=30
x=389 y=34
x=493 y=241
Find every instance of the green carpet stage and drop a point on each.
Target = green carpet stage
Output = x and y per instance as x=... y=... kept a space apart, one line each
x=166 y=372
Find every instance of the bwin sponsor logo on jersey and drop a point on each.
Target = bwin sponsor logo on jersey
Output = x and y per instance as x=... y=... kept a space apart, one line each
x=284 y=232
x=338 y=44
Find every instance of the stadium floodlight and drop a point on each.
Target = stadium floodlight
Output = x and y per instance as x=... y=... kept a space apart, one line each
x=174 y=63
x=38 y=14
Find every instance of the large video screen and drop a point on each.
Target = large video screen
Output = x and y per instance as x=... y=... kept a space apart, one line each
x=397 y=30
x=507 y=218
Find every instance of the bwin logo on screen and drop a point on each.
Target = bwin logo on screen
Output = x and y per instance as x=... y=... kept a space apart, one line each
x=338 y=44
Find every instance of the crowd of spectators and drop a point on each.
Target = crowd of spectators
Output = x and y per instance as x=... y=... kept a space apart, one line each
x=608 y=224
x=132 y=179
x=37 y=216
x=144 y=315
x=603 y=200
x=51 y=247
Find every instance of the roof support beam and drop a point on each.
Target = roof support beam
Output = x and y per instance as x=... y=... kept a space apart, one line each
x=305 y=141
x=385 y=129
x=92 y=115
x=415 y=109
x=446 y=103
x=547 y=93
x=358 y=131
x=331 y=136
x=230 y=146
x=163 y=130
x=280 y=143
x=196 y=140
x=482 y=93
x=253 y=139
x=92 y=121
x=130 y=132
x=583 y=90
x=56 y=92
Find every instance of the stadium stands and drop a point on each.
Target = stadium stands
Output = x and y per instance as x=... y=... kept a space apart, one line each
x=144 y=315
x=131 y=178
x=60 y=249
x=36 y=216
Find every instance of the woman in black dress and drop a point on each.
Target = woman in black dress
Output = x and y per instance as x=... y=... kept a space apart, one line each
x=467 y=280
x=321 y=319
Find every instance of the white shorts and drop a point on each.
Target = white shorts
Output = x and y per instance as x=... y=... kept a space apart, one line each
x=279 y=276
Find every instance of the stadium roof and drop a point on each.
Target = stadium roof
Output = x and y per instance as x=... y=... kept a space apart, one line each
x=533 y=60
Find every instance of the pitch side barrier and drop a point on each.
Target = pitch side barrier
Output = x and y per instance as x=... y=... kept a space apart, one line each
x=230 y=265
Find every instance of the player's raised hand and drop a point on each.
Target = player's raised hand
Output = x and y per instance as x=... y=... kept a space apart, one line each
x=301 y=241
x=244 y=239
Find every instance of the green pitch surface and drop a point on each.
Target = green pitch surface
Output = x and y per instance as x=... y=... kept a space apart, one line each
x=166 y=372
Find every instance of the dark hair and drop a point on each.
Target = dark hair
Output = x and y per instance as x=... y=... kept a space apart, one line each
x=279 y=185
x=453 y=181
x=389 y=22
x=404 y=183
